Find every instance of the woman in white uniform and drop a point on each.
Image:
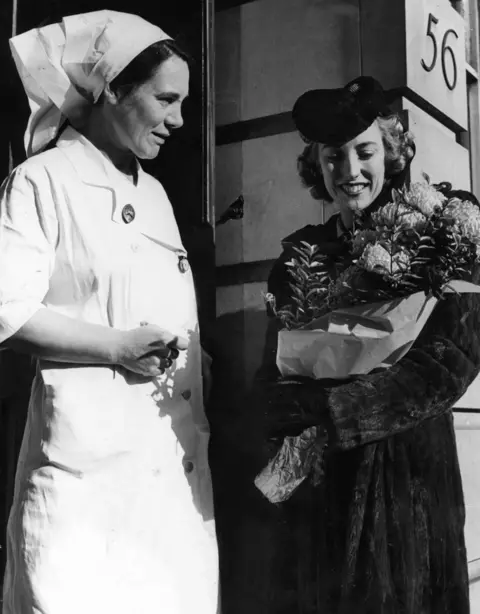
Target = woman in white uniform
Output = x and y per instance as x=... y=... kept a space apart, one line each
x=112 y=511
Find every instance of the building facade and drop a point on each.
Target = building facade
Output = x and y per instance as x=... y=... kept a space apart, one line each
x=268 y=52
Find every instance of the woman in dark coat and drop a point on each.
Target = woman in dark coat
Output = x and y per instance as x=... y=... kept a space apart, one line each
x=383 y=533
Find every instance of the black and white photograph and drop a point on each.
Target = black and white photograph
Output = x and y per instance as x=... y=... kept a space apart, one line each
x=240 y=307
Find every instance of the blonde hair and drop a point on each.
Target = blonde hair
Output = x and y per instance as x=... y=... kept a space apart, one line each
x=399 y=148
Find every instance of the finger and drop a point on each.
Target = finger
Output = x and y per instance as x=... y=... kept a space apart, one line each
x=162 y=353
x=149 y=372
x=155 y=360
x=169 y=341
x=159 y=373
x=179 y=343
x=156 y=371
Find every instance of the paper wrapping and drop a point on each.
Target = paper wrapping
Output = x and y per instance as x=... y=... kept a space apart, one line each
x=354 y=341
x=357 y=340
x=286 y=471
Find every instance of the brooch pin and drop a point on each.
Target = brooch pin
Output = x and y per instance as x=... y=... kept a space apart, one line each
x=128 y=214
x=183 y=263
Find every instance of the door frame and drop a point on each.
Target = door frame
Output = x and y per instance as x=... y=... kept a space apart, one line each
x=208 y=75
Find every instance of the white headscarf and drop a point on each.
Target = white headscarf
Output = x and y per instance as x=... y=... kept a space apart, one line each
x=65 y=67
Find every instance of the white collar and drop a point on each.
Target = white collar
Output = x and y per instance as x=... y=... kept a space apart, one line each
x=91 y=164
x=94 y=168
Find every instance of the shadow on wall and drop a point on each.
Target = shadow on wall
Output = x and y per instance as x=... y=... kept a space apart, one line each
x=238 y=346
x=247 y=524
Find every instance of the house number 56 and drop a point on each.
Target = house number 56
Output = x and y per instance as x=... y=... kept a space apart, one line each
x=446 y=50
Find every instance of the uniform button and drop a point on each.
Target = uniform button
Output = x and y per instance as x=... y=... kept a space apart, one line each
x=134 y=247
x=128 y=214
x=186 y=394
x=188 y=466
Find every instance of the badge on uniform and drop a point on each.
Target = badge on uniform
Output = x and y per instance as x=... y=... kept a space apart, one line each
x=183 y=263
x=128 y=214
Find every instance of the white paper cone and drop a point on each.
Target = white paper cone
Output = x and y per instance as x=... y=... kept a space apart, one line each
x=354 y=341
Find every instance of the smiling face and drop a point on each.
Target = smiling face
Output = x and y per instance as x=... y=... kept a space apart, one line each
x=354 y=173
x=141 y=121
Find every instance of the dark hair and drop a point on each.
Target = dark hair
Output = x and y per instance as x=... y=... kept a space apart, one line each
x=399 y=150
x=144 y=65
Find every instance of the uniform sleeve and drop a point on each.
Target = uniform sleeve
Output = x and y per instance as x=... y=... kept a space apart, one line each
x=427 y=382
x=28 y=235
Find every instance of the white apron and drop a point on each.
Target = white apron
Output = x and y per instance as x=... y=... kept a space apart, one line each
x=113 y=505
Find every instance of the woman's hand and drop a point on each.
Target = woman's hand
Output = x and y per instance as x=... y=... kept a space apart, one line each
x=285 y=405
x=149 y=350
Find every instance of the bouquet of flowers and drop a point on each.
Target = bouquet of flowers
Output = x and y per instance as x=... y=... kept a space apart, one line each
x=363 y=310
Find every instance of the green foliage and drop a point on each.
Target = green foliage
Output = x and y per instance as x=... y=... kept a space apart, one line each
x=310 y=279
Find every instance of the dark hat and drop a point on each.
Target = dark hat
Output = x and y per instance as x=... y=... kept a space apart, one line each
x=336 y=116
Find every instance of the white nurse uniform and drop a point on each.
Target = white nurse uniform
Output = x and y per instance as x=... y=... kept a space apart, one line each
x=112 y=511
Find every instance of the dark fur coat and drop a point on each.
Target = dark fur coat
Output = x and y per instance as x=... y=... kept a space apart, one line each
x=384 y=531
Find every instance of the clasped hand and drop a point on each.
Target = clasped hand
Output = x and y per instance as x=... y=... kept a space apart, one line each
x=289 y=406
x=149 y=350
